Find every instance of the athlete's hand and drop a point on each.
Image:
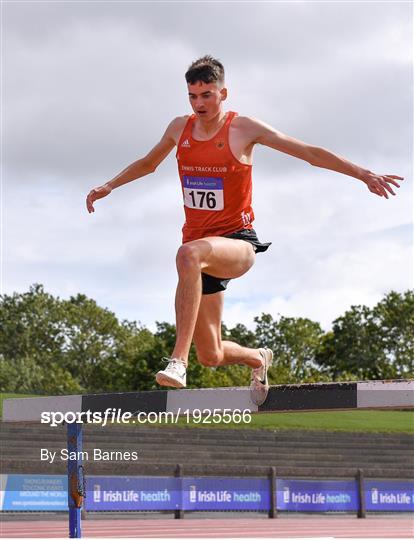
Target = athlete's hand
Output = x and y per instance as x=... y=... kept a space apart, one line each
x=95 y=194
x=380 y=185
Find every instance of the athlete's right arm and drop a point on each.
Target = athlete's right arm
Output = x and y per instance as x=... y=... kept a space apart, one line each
x=143 y=166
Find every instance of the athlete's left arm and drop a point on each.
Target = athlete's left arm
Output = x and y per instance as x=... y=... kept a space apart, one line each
x=262 y=133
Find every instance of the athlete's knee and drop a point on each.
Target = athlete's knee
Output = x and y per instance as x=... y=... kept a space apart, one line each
x=188 y=256
x=211 y=359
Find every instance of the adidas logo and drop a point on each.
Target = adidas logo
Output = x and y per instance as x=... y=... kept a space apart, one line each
x=186 y=144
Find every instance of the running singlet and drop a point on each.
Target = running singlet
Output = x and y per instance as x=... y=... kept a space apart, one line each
x=217 y=187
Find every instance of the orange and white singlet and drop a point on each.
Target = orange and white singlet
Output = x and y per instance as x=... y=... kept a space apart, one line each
x=217 y=187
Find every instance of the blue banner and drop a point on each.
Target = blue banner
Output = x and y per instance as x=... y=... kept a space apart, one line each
x=389 y=496
x=132 y=493
x=226 y=494
x=24 y=492
x=36 y=492
x=317 y=496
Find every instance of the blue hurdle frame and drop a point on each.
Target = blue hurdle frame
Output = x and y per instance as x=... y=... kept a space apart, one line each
x=75 y=479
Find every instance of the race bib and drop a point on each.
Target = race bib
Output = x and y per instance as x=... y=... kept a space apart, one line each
x=203 y=193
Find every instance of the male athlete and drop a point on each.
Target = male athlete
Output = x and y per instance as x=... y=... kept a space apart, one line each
x=214 y=154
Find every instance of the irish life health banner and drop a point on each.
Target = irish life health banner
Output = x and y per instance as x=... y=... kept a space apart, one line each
x=163 y=493
x=226 y=494
x=389 y=496
x=132 y=493
x=317 y=496
x=30 y=492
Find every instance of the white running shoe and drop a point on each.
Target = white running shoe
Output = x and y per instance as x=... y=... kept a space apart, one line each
x=175 y=374
x=259 y=384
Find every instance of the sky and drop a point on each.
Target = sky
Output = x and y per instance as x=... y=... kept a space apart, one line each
x=89 y=87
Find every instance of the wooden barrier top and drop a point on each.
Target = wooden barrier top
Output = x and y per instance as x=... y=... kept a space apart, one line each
x=392 y=394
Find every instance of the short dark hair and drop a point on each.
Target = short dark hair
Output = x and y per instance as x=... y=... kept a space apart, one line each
x=206 y=69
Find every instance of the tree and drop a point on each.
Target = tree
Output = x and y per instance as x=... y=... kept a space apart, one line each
x=57 y=346
x=92 y=338
x=54 y=346
x=31 y=344
x=295 y=342
x=375 y=343
x=32 y=326
x=394 y=318
x=136 y=358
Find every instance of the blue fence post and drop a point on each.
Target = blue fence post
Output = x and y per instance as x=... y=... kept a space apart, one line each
x=76 y=488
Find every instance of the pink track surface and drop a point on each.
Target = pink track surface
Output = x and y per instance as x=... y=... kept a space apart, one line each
x=338 y=527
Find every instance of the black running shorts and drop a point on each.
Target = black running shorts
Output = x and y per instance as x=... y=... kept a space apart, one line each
x=213 y=284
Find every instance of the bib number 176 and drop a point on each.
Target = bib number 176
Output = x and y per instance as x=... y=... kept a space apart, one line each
x=201 y=198
x=203 y=193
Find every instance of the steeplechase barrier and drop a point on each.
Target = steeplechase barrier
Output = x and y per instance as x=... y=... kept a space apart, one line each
x=79 y=409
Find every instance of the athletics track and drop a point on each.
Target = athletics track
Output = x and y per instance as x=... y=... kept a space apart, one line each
x=282 y=527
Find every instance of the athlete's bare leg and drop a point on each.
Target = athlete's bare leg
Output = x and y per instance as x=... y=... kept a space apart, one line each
x=211 y=349
x=187 y=302
x=220 y=257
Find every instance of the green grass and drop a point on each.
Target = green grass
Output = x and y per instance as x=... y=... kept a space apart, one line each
x=362 y=421
x=368 y=421
x=352 y=421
